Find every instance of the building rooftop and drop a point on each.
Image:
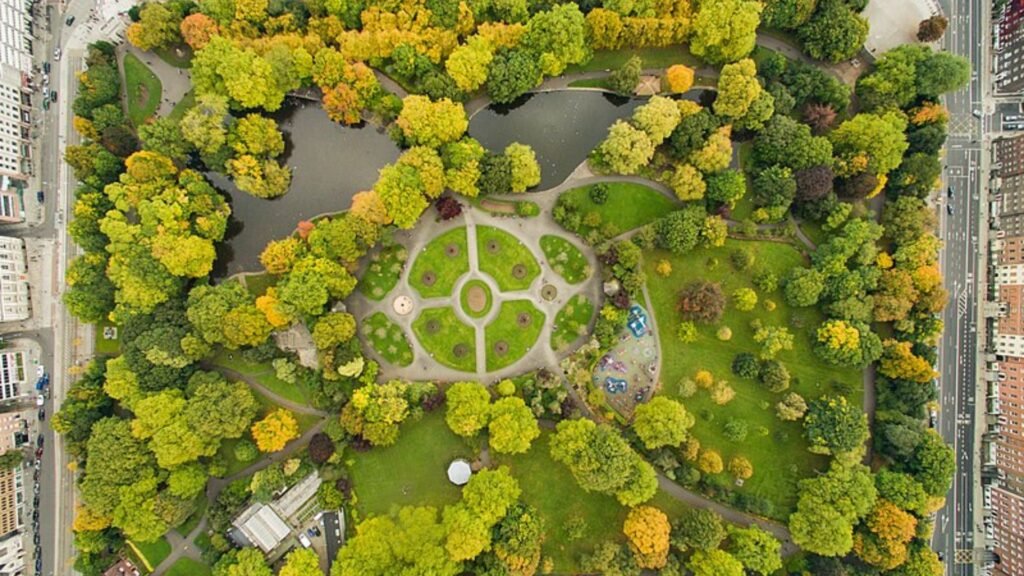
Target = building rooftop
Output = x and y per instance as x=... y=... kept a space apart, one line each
x=459 y=472
x=122 y=568
x=261 y=525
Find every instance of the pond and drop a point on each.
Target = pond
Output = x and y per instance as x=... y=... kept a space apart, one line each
x=329 y=163
x=562 y=127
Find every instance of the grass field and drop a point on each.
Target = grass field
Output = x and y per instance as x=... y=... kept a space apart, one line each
x=776 y=449
x=565 y=258
x=142 y=89
x=591 y=83
x=506 y=327
x=383 y=271
x=450 y=332
x=187 y=101
x=188 y=567
x=263 y=373
x=571 y=322
x=151 y=553
x=412 y=472
x=170 y=55
x=257 y=284
x=109 y=347
x=387 y=338
x=445 y=258
x=500 y=255
x=628 y=205
x=652 y=58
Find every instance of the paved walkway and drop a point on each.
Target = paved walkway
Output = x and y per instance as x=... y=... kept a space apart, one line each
x=176 y=82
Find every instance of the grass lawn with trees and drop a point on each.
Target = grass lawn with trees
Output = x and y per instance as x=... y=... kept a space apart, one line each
x=517 y=325
x=383 y=271
x=628 y=205
x=412 y=472
x=505 y=258
x=565 y=258
x=187 y=101
x=571 y=322
x=780 y=456
x=441 y=262
x=387 y=338
x=446 y=338
x=186 y=566
x=107 y=346
x=151 y=553
x=264 y=373
x=143 y=90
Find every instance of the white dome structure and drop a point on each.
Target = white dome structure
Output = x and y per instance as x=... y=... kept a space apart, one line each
x=459 y=472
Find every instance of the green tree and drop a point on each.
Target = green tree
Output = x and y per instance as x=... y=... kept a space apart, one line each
x=158 y=26
x=468 y=409
x=658 y=118
x=726 y=187
x=525 y=171
x=301 y=562
x=725 y=30
x=803 y=287
x=557 y=38
x=376 y=411
x=757 y=549
x=829 y=506
x=626 y=149
x=468 y=64
x=90 y=294
x=834 y=426
x=933 y=464
x=490 y=493
x=601 y=461
x=433 y=124
x=661 y=422
x=513 y=72
x=410 y=541
x=714 y=563
x=84 y=404
x=870 y=142
x=738 y=88
x=333 y=329
x=697 y=529
x=624 y=79
x=513 y=426
x=688 y=183
x=834 y=33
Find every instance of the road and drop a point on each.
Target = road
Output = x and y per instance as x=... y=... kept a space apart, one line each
x=958 y=350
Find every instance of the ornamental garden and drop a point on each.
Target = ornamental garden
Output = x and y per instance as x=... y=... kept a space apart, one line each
x=705 y=347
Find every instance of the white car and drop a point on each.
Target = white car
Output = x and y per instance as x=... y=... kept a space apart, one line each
x=40 y=399
x=40 y=371
x=56 y=54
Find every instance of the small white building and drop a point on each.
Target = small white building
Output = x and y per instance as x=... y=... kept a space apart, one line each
x=459 y=472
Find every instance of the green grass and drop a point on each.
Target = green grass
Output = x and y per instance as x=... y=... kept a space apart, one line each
x=186 y=566
x=450 y=333
x=571 y=322
x=565 y=259
x=780 y=458
x=505 y=328
x=500 y=253
x=142 y=88
x=226 y=454
x=153 y=553
x=257 y=284
x=387 y=338
x=383 y=271
x=464 y=299
x=446 y=269
x=628 y=205
x=813 y=232
x=662 y=57
x=410 y=472
x=745 y=207
x=170 y=55
x=192 y=521
x=591 y=83
x=187 y=101
x=263 y=373
x=105 y=346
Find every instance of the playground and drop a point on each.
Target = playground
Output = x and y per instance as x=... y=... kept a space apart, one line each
x=628 y=373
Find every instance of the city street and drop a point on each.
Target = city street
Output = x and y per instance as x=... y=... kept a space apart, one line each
x=958 y=351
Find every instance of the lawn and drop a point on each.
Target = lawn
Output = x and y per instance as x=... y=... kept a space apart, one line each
x=517 y=325
x=745 y=207
x=187 y=101
x=383 y=271
x=628 y=205
x=776 y=449
x=170 y=55
x=446 y=338
x=440 y=264
x=387 y=338
x=565 y=258
x=571 y=322
x=142 y=88
x=257 y=284
x=661 y=57
x=111 y=346
x=186 y=566
x=412 y=472
x=151 y=553
x=591 y=83
x=550 y=487
x=506 y=259
x=264 y=373
x=480 y=308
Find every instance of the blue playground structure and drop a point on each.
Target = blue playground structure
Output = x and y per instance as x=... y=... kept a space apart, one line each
x=614 y=385
x=637 y=321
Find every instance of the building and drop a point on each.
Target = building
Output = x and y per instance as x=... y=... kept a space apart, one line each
x=14 y=375
x=267 y=526
x=12 y=557
x=121 y=568
x=11 y=207
x=16 y=35
x=14 y=296
x=1008 y=531
x=15 y=88
x=1009 y=49
x=1008 y=185
x=12 y=485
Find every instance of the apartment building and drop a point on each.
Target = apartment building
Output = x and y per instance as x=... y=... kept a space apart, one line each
x=12 y=486
x=15 y=94
x=1008 y=50
x=14 y=375
x=1008 y=185
x=14 y=293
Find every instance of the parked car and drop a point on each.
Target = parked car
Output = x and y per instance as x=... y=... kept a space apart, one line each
x=40 y=440
x=933 y=418
x=40 y=197
x=56 y=55
x=40 y=399
x=70 y=20
x=42 y=414
x=949 y=191
x=53 y=95
x=46 y=67
x=949 y=209
x=46 y=104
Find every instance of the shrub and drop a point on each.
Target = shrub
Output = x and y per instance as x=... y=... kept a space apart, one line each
x=506 y=387
x=724 y=333
x=766 y=281
x=735 y=430
x=740 y=467
x=710 y=462
x=774 y=375
x=744 y=299
x=690 y=449
x=701 y=301
x=598 y=193
x=687 y=387
x=792 y=407
x=663 y=268
x=245 y=451
x=745 y=365
x=722 y=393
x=742 y=259
x=687 y=332
x=704 y=379
x=769 y=305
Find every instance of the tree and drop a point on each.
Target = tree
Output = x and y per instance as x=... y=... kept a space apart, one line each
x=788 y=143
x=692 y=132
x=687 y=182
x=901 y=489
x=468 y=64
x=333 y=329
x=899 y=361
x=135 y=513
x=737 y=89
x=829 y=506
x=834 y=426
x=601 y=461
x=725 y=30
x=787 y=14
x=427 y=123
x=525 y=169
x=647 y=530
x=513 y=73
x=321 y=448
x=697 y=529
x=90 y=294
x=468 y=534
x=716 y=153
x=164 y=136
x=625 y=79
x=803 y=287
x=726 y=187
x=869 y=142
x=280 y=255
x=710 y=462
x=626 y=149
x=933 y=464
x=410 y=541
x=714 y=563
x=468 y=408
x=888 y=531
x=678 y=78
x=661 y=422
x=773 y=339
x=757 y=549
x=701 y=301
x=557 y=38
x=275 y=430
x=301 y=562
x=941 y=72
x=84 y=404
x=740 y=467
x=658 y=118
x=820 y=117
x=834 y=33
x=518 y=538
x=376 y=411
x=197 y=30
x=158 y=26
x=490 y=493
x=513 y=426
x=774 y=186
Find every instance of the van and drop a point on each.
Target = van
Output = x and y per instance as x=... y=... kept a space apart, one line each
x=304 y=540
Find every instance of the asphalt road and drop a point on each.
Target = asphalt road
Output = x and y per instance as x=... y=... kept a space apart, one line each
x=955 y=523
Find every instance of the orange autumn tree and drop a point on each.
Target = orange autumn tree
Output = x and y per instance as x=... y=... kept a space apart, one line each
x=197 y=29
x=647 y=530
x=275 y=430
x=889 y=530
x=678 y=78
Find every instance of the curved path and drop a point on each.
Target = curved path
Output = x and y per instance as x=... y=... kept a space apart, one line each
x=253 y=383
